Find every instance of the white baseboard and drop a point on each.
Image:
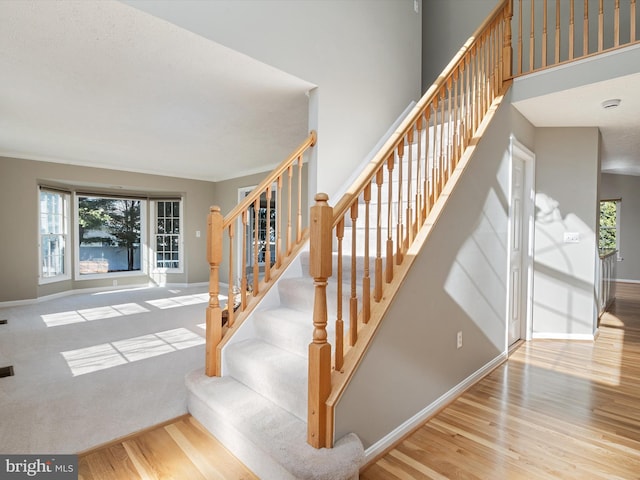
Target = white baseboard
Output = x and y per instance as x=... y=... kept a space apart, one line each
x=422 y=416
x=563 y=336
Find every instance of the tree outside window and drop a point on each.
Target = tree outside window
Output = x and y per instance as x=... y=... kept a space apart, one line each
x=609 y=225
x=108 y=235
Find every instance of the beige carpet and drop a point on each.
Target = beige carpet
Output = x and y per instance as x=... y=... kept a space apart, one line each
x=90 y=368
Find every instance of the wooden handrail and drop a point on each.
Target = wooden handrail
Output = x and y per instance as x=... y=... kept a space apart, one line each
x=277 y=172
x=222 y=322
x=369 y=171
x=419 y=157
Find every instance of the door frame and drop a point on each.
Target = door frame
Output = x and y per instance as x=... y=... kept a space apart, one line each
x=518 y=150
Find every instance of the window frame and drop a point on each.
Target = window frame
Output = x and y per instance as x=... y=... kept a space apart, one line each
x=66 y=262
x=153 y=234
x=143 y=238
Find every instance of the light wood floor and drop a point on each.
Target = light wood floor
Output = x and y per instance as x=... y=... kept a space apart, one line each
x=180 y=450
x=556 y=409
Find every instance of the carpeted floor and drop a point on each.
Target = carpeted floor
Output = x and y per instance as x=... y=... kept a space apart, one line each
x=90 y=368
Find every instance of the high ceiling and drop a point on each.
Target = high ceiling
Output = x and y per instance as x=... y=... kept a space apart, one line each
x=104 y=84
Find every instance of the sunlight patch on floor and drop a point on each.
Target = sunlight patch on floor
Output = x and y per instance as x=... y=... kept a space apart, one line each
x=91 y=314
x=107 y=355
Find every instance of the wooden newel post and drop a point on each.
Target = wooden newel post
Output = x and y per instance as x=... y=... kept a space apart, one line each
x=321 y=226
x=214 y=312
x=507 y=49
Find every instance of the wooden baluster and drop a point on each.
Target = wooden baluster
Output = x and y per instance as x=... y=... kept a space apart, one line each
x=256 y=246
x=299 y=222
x=544 y=33
x=532 y=38
x=353 y=300
x=279 y=224
x=409 y=211
x=399 y=227
x=377 y=296
x=428 y=164
x=468 y=97
x=419 y=195
x=557 y=39
x=389 y=269
x=441 y=162
x=231 y=296
x=632 y=21
x=601 y=26
x=243 y=281
x=456 y=121
x=321 y=219
x=449 y=129
x=339 y=354
x=520 y=50
x=585 y=29
x=366 y=280
x=267 y=237
x=571 y=29
x=289 y=195
x=616 y=24
x=214 y=312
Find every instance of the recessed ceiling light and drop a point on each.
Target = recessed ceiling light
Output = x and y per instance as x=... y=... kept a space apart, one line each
x=612 y=103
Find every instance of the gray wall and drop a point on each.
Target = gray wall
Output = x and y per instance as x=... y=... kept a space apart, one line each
x=627 y=188
x=457 y=283
x=364 y=57
x=567 y=172
x=19 y=181
x=446 y=26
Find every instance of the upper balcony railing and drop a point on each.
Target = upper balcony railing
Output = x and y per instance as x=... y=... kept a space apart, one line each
x=553 y=32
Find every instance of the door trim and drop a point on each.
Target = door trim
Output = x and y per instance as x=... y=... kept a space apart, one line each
x=518 y=150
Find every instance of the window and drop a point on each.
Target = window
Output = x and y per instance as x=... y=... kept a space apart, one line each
x=167 y=231
x=54 y=233
x=610 y=225
x=109 y=235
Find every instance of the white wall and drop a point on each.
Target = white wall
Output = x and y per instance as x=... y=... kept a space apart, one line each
x=567 y=172
x=363 y=55
x=457 y=283
x=626 y=187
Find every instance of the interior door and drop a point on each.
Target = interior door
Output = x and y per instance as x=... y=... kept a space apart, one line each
x=517 y=270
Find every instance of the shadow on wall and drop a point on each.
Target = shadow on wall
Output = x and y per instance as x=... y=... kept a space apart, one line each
x=475 y=282
x=563 y=271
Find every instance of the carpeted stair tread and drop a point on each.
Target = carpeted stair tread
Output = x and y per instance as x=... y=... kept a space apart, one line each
x=268 y=439
x=277 y=374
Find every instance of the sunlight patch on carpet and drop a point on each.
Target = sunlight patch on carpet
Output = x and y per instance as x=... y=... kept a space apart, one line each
x=107 y=355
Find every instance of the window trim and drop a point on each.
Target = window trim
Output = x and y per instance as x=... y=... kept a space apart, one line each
x=153 y=223
x=76 y=232
x=66 y=196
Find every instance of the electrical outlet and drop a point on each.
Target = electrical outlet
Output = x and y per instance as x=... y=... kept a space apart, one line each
x=571 y=237
x=197 y=233
x=459 y=340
